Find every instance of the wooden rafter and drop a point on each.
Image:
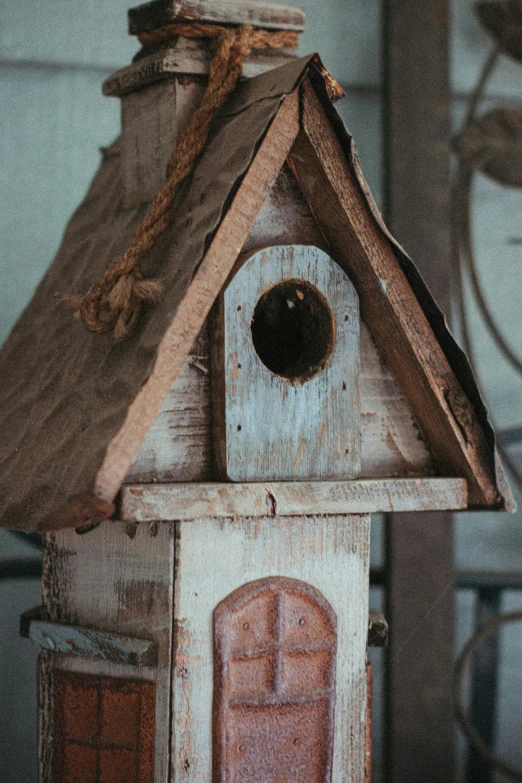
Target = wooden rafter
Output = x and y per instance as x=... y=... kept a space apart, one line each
x=388 y=304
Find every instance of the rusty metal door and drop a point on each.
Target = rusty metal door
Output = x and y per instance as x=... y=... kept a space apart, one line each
x=274 y=684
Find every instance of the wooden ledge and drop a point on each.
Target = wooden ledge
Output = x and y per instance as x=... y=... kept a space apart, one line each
x=187 y=58
x=86 y=642
x=151 y=502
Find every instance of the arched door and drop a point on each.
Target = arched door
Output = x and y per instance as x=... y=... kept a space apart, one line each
x=274 y=684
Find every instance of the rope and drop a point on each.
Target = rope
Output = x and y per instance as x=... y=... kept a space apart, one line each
x=464 y=659
x=114 y=302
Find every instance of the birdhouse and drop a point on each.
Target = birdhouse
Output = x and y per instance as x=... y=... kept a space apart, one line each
x=204 y=482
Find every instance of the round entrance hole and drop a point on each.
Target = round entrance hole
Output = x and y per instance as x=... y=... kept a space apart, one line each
x=293 y=330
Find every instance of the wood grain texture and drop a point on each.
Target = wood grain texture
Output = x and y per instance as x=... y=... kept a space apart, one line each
x=148 y=130
x=118 y=579
x=91 y=643
x=187 y=57
x=177 y=447
x=270 y=427
x=388 y=305
x=271 y=16
x=192 y=311
x=333 y=559
x=285 y=217
x=148 y=502
x=392 y=443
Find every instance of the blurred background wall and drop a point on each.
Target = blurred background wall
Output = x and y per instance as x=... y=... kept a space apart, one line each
x=54 y=55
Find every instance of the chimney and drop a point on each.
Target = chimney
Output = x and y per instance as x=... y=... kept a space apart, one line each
x=160 y=90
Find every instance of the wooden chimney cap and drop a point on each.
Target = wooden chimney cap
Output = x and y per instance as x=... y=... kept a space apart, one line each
x=270 y=16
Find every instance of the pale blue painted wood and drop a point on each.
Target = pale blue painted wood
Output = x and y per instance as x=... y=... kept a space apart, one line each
x=276 y=429
x=92 y=643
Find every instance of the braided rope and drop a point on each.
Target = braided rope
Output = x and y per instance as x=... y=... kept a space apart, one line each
x=114 y=302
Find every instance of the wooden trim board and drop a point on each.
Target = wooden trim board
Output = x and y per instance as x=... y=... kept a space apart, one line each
x=188 y=57
x=270 y=16
x=150 y=502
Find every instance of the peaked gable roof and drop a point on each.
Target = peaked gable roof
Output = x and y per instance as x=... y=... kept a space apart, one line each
x=75 y=407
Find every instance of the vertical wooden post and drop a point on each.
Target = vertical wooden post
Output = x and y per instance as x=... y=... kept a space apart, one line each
x=420 y=744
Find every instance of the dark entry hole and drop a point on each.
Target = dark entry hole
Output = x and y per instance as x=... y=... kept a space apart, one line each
x=293 y=330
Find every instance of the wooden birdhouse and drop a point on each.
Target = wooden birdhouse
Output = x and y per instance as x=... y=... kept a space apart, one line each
x=223 y=459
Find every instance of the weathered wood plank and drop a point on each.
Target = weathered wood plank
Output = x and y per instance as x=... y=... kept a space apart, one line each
x=188 y=58
x=289 y=408
x=272 y=16
x=333 y=559
x=193 y=310
x=388 y=305
x=284 y=218
x=177 y=446
x=148 y=502
x=148 y=132
x=91 y=643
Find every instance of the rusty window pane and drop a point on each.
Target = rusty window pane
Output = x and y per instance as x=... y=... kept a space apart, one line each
x=103 y=729
x=274 y=687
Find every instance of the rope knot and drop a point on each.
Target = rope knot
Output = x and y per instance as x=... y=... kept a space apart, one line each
x=114 y=302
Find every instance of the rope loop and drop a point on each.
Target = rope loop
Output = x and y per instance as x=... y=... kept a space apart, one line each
x=114 y=302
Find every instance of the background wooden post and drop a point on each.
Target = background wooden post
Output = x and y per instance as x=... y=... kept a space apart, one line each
x=420 y=742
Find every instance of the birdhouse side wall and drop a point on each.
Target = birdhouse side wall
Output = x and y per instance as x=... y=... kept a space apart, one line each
x=117 y=579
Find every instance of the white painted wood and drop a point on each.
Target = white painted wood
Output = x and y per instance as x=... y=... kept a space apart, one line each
x=284 y=218
x=177 y=446
x=272 y=428
x=147 y=502
x=274 y=16
x=216 y=557
x=118 y=578
x=91 y=643
x=391 y=442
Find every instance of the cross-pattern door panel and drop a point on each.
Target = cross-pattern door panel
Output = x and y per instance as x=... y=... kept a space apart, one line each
x=104 y=729
x=274 y=689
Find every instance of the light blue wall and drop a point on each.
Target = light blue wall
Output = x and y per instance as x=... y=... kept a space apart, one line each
x=54 y=54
